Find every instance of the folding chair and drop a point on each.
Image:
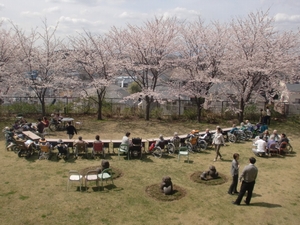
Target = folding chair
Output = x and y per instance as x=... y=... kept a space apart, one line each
x=74 y=176
x=92 y=175
x=98 y=149
x=105 y=175
x=81 y=148
x=183 y=151
x=123 y=149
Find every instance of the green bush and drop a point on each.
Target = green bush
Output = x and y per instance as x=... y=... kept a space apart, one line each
x=251 y=112
x=23 y=108
x=127 y=113
x=190 y=114
x=210 y=117
x=157 y=113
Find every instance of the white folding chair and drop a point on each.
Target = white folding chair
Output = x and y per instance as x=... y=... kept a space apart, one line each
x=74 y=176
x=184 y=152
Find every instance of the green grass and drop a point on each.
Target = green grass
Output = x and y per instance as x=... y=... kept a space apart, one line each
x=35 y=190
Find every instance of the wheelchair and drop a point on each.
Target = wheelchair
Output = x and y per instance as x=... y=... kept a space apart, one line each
x=135 y=151
x=63 y=151
x=173 y=145
x=44 y=152
x=22 y=150
x=194 y=143
x=160 y=147
x=236 y=136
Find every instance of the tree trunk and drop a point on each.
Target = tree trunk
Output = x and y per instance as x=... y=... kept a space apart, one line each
x=199 y=108
x=148 y=102
x=43 y=106
x=199 y=102
x=100 y=103
x=242 y=108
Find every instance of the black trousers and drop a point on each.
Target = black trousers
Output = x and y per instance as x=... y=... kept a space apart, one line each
x=234 y=184
x=245 y=187
x=267 y=120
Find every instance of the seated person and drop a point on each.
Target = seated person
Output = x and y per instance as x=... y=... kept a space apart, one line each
x=207 y=135
x=266 y=135
x=283 y=138
x=97 y=140
x=263 y=128
x=233 y=129
x=270 y=142
x=210 y=174
x=62 y=148
x=175 y=136
x=126 y=140
x=261 y=146
x=9 y=136
x=274 y=136
x=249 y=125
x=160 y=142
x=79 y=141
x=28 y=143
x=44 y=142
x=243 y=126
x=166 y=185
x=176 y=139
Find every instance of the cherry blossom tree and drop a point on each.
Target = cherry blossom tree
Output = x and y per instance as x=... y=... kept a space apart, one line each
x=92 y=54
x=258 y=57
x=7 y=56
x=145 y=53
x=40 y=61
x=202 y=49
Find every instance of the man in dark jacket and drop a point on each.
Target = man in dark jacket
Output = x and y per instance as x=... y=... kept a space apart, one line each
x=71 y=130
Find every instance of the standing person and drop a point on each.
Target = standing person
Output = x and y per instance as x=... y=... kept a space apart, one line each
x=71 y=130
x=40 y=126
x=262 y=116
x=248 y=175
x=268 y=116
x=235 y=174
x=45 y=121
x=218 y=141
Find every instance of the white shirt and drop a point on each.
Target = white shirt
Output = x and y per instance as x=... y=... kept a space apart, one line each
x=125 y=140
x=261 y=145
x=268 y=112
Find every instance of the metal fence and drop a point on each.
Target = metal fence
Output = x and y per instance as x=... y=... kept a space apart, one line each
x=117 y=106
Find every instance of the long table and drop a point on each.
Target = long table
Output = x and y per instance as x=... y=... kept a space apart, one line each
x=112 y=144
x=31 y=135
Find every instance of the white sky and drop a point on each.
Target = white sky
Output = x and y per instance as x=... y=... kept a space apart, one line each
x=99 y=15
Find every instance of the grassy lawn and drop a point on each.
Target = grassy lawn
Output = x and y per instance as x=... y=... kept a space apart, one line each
x=33 y=191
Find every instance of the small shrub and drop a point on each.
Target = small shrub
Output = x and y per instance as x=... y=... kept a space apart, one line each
x=251 y=112
x=157 y=113
x=190 y=114
x=127 y=113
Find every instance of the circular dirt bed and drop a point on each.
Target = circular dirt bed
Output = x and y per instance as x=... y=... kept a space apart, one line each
x=154 y=191
x=210 y=181
x=116 y=172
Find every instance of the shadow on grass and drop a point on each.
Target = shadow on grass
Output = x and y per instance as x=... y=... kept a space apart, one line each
x=147 y=158
x=265 y=204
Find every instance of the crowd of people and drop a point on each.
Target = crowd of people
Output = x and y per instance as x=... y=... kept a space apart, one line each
x=263 y=142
